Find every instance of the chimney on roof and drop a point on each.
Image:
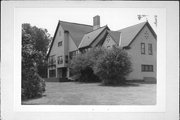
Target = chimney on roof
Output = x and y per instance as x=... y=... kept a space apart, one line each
x=96 y=22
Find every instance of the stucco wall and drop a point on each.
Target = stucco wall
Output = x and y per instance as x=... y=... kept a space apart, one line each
x=58 y=51
x=138 y=59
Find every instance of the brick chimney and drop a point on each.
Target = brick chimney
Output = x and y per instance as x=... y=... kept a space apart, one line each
x=96 y=22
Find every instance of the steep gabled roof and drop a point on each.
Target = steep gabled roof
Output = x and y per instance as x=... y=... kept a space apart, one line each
x=129 y=34
x=90 y=37
x=76 y=30
x=115 y=36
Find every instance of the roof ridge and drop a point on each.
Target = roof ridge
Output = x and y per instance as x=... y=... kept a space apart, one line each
x=96 y=29
x=133 y=25
x=113 y=31
x=76 y=23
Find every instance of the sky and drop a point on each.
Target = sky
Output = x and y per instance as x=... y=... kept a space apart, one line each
x=115 y=18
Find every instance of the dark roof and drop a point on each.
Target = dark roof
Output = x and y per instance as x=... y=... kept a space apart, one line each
x=115 y=36
x=129 y=34
x=90 y=37
x=76 y=30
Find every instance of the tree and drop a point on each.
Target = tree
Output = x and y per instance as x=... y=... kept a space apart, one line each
x=113 y=66
x=40 y=39
x=34 y=47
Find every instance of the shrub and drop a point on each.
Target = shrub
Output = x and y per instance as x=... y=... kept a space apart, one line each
x=82 y=65
x=113 y=66
x=32 y=84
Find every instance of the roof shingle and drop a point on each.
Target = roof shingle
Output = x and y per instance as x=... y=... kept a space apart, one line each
x=89 y=37
x=129 y=33
x=115 y=36
x=76 y=30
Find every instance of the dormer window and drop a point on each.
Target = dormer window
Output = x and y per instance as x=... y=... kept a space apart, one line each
x=59 y=43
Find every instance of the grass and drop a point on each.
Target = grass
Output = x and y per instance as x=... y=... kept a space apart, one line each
x=74 y=93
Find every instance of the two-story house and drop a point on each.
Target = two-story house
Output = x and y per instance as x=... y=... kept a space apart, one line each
x=73 y=38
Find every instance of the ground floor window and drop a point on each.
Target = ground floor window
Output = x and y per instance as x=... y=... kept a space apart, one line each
x=52 y=73
x=147 y=68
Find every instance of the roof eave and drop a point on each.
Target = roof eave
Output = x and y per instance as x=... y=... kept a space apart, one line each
x=53 y=39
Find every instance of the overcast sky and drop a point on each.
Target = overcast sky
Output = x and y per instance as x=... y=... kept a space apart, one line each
x=115 y=18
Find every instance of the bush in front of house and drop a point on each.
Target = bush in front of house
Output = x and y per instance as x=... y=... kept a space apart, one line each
x=113 y=66
x=82 y=65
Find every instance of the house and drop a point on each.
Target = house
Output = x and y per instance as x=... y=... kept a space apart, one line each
x=140 y=41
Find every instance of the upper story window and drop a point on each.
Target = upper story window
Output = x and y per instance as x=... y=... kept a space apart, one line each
x=60 y=60
x=52 y=60
x=147 y=68
x=59 y=43
x=142 y=48
x=150 y=49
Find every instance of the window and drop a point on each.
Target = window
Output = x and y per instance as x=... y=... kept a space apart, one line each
x=147 y=68
x=142 y=48
x=150 y=49
x=52 y=73
x=52 y=60
x=59 y=43
x=60 y=60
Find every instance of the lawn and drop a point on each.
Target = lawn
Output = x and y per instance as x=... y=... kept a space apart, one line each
x=74 y=93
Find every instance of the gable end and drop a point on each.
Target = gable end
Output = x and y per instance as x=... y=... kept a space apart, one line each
x=150 y=28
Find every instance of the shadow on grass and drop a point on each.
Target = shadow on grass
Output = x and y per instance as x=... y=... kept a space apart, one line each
x=121 y=85
x=25 y=100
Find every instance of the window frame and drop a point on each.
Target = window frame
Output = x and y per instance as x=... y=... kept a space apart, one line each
x=59 y=60
x=52 y=60
x=143 y=48
x=147 y=68
x=59 y=43
x=150 y=49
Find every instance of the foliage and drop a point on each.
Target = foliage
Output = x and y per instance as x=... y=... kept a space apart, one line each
x=38 y=42
x=34 y=47
x=82 y=65
x=113 y=66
